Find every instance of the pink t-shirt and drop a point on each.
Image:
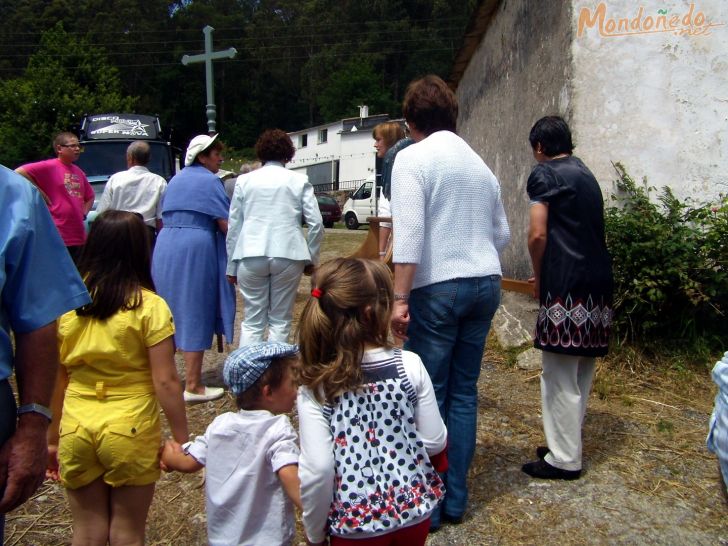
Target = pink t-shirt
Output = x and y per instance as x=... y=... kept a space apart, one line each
x=68 y=189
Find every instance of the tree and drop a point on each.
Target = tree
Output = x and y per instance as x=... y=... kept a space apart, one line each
x=64 y=80
x=355 y=83
x=299 y=62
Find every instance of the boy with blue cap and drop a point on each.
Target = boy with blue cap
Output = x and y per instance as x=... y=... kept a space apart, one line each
x=251 y=456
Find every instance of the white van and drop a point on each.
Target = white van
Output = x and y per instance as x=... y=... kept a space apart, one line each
x=361 y=205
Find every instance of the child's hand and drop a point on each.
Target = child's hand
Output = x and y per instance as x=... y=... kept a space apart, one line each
x=168 y=451
x=52 y=466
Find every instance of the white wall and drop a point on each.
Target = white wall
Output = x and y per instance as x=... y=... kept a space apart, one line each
x=354 y=150
x=656 y=102
x=357 y=156
x=314 y=152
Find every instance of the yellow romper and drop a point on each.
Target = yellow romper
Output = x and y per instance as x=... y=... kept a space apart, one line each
x=110 y=423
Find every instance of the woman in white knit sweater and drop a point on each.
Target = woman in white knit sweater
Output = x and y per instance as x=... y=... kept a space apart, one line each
x=450 y=225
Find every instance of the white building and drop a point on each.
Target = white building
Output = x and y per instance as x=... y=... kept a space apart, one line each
x=338 y=155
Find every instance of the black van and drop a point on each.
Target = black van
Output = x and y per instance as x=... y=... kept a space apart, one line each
x=105 y=138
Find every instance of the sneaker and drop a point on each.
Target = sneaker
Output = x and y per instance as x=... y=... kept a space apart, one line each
x=542 y=469
x=211 y=393
x=541 y=452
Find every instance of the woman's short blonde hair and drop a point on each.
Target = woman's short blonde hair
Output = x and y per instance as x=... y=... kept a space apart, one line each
x=389 y=131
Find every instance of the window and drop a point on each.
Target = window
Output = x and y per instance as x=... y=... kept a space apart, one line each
x=364 y=191
x=323 y=136
x=302 y=141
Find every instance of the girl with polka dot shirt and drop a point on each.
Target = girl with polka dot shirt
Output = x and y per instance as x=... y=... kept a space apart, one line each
x=372 y=440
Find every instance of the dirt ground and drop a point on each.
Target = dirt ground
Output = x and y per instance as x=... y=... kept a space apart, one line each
x=648 y=478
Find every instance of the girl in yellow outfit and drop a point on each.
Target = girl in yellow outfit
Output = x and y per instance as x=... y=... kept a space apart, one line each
x=117 y=356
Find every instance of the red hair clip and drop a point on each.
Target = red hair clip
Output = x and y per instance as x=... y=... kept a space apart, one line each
x=317 y=293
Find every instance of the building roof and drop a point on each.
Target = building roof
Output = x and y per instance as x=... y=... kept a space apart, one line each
x=363 y=124
x=346 y=124
x=479 y=22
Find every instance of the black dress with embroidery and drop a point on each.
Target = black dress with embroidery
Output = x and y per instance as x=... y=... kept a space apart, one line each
x=576 y=284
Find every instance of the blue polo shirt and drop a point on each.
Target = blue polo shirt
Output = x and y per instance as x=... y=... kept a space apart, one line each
x=38 y=280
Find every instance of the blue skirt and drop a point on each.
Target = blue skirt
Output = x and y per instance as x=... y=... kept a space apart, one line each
x=188 y=268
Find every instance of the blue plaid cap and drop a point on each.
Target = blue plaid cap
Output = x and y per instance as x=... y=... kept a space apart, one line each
x=244 y=366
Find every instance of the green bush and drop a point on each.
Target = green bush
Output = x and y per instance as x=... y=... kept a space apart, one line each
x=670 y=261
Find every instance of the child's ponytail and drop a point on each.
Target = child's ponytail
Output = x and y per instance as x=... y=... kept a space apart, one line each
x=349 y=308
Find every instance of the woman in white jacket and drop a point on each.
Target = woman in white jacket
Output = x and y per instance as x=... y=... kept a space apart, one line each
x=267 y=250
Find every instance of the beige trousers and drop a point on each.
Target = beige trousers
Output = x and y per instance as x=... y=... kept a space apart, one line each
x=565 y=384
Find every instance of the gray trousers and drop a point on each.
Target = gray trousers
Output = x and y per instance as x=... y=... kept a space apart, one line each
x=565 y=384
x=268 y=287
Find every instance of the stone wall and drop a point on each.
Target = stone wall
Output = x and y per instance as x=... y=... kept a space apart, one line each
x=644 y=84
x=520 y=72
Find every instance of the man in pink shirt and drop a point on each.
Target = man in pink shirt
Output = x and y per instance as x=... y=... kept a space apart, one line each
x=66 y=190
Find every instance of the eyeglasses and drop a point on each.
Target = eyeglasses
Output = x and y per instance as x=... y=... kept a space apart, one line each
x=70 y=146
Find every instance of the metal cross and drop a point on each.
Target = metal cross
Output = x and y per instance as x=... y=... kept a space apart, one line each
x=208 y=56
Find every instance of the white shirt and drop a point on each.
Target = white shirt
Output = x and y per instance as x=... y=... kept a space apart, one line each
x=266 y=212
x=317 y=463
x=447 y=211
x=245 y=501
x=135 y=190
x=385 y=210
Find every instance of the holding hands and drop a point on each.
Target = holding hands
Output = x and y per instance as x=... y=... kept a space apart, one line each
x=173 y=458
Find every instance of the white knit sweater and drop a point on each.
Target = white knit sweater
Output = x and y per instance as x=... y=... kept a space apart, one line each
x=447 y=211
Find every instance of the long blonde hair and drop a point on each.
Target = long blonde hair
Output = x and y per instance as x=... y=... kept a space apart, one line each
x=352 y=308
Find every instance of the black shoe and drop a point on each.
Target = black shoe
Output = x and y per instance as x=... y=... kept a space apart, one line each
x=541 y=452
x=452 y=520
x=542 y=469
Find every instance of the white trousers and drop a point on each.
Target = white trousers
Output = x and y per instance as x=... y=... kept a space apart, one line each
x=565 y=384
x=268 y=287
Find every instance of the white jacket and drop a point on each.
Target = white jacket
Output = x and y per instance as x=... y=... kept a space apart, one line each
x=266 y=212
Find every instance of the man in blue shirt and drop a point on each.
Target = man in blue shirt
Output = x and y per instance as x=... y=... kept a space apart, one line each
x=38 y=283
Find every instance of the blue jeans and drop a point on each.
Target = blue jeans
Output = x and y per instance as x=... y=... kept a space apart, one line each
x=449 y=322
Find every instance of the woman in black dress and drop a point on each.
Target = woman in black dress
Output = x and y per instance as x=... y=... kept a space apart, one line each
x=573 y=283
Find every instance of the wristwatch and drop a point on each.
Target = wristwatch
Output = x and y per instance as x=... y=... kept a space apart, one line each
x=36 y=408
x=401 y=297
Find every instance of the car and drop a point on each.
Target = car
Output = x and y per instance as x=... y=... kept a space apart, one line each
x=330 y=209
x=362 y=204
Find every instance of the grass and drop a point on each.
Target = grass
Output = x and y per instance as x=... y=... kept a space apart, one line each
x=649 y=477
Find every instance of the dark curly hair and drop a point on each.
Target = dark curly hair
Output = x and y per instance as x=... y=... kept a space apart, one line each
x=430 y=105
x=274 y=145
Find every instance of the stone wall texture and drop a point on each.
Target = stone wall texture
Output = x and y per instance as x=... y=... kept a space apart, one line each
x=656 y=101
x=644 y=84
x=520 y=72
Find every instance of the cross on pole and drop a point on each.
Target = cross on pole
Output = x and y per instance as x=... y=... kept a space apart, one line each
x=208 y=56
